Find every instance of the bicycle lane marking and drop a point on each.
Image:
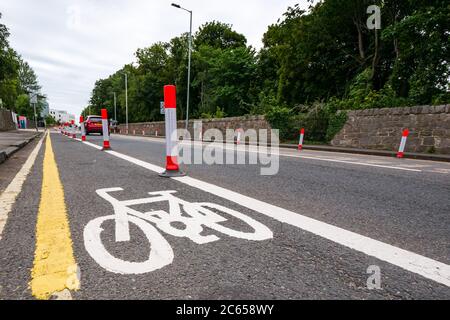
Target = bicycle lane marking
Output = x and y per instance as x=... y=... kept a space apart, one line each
x=407 y=260
x=197 y=216
x=54 y=268
x=12 y=191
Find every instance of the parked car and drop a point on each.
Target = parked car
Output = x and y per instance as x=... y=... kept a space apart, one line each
x=93 y=124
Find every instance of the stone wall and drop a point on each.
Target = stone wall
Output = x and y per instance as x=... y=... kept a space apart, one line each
x=382 y=129
x=150 y=128
x=6 y=121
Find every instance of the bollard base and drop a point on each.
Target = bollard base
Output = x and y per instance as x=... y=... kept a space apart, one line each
x=106 y=148
x=172 y=174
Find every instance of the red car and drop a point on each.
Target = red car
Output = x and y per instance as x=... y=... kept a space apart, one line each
x=93 y=124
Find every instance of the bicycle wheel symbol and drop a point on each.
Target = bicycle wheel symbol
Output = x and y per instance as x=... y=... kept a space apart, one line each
x=196 y=217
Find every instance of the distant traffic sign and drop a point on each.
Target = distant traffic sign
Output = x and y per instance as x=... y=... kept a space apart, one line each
x=33 y=98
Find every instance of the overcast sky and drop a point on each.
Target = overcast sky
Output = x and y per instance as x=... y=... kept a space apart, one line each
x=72 y=43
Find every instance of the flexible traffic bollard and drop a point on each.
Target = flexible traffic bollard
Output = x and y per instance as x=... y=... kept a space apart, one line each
x=239 y=135
x=83 y=131
x=74 y=130
x=106 y=145
x=302 y=137
x=170 y=105
x=401 y=151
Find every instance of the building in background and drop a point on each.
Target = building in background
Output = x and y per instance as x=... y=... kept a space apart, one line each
x=61 y=115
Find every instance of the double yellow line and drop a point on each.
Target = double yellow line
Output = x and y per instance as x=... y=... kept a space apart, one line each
x=55 y=269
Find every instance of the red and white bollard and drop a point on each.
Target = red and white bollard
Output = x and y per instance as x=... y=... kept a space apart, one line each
x=106 y=144
x=170 y=105
x=74 y=130
x=239 y=135
x=83 y=131
x=302 y=137
x=401 y=150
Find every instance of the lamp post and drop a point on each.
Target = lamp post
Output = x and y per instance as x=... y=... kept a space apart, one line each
x=126 y=100
x=115 y=107
x=189 y=62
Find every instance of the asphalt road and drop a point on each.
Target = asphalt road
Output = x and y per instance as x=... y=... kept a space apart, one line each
x=403 y=203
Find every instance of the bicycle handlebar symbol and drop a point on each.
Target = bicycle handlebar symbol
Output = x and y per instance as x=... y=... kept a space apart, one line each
x=198 y=215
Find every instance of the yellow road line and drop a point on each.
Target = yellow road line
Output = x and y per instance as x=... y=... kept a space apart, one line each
x=54 y=267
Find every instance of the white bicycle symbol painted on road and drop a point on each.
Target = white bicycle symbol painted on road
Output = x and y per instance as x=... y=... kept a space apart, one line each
x=198 y=215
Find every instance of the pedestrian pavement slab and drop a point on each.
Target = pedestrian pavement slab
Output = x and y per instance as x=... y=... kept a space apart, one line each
x=12 y=141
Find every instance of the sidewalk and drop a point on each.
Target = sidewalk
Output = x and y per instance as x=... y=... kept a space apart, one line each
x=14 y=140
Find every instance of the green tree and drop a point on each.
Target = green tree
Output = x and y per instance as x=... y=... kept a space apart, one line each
x=17 y=78
x=219 y=35
x=50 y=121
x=8 y=69
x=28 y=81
x=421 y=69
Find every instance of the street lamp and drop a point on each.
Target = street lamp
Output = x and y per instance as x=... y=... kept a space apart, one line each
x=126 y=100
x=189 y=62
x=115 y=107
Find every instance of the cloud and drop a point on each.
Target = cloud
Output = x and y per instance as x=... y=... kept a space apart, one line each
x=73 y=43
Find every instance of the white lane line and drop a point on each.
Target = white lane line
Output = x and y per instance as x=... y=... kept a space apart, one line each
x=243 y=149
x=356 y=163
x=93 y=145
x=324 y=159
x=9 y=196
x=370 y=162
x=138 y=162
x=410 y=261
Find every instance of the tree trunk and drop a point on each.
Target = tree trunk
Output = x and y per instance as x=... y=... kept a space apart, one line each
x=375 y=62
x=362 y=53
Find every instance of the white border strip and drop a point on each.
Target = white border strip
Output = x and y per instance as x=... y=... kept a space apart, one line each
x=426 y=267
x=8 y=197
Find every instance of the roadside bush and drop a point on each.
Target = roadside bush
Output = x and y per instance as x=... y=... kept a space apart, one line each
x=315 y=122
x=321 y=121
x=284 y=119
x=219 y=114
